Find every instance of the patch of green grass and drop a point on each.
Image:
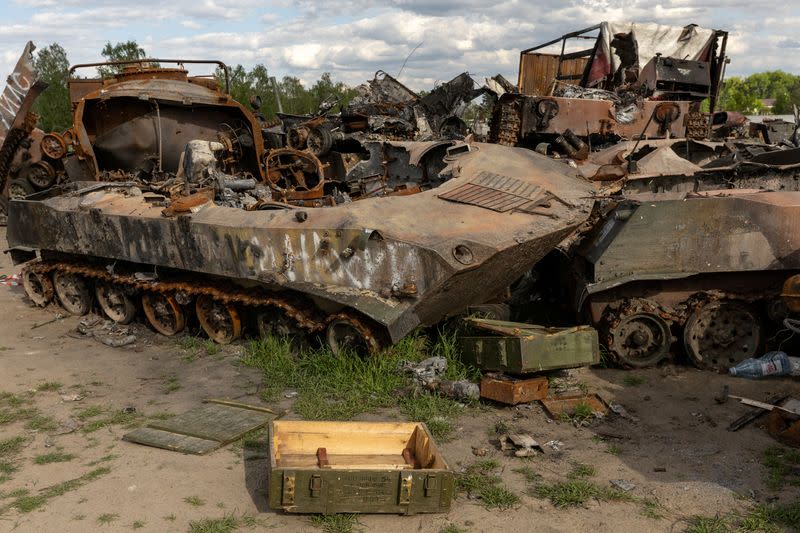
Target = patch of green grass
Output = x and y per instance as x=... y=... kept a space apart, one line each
x=581 y=470
x=717 y=524
x=334 y=387
x=170 y=518
x=336 y=523
x=651 y=509
x=90 y=412
x=7 y=467
x=49 y=386
x=18 y=492
x=27 y=503
x=138 y=524
x=497 y=497
x=42 y=423
x=438 y=413
x=576 y=492
x=783 y=467
x=613 y=449
x=53 y=457
x=528 y=473
x=480 y=480
x=14 y=408
x=104 y=459
x=12 y=446
x=117 y=417
x=632 y=380
x=170 y=384
x=254 y=440
x=194 y=500
x=195 y=347
x=107 y=518
x=582 y=411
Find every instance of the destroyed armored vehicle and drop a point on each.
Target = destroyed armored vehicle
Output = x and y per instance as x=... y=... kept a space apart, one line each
x=689 y=246
x=634 y=80
x=171 y=201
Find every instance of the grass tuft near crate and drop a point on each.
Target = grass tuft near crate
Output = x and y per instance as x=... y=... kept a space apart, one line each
x=356 y=467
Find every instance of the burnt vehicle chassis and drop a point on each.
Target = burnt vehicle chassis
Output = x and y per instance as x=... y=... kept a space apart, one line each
x=171 y=200
x=688 y=253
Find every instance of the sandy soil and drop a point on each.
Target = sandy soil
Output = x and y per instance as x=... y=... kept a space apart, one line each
x=680 y=428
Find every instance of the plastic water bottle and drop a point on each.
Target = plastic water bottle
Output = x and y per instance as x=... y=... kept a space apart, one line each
x=770 y=364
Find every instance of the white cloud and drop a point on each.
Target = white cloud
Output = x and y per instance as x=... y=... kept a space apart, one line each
x=354 y=38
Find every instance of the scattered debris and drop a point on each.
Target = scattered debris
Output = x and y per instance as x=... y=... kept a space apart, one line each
x=427 y=376
x=520 y=445
x=107 y=332
x=68 y=426
x=623 y=485
x=202 y=429
x=554 y=445
x=71 y=397
x=621 y=411
x=427 y=372
x=9 y=281
x=56 y=318
x=558 y=407
x=754 y=414
x=512 y=391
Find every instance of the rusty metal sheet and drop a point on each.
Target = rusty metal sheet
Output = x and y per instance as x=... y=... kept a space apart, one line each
x=498 y=193
x=14 y=102
x=558 y=406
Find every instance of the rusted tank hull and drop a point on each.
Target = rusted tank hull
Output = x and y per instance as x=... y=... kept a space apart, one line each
x=401 y=261
x=706 y=270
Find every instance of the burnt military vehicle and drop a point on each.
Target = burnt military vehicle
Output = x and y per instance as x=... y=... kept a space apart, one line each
x=691 y=239
x=172 y=201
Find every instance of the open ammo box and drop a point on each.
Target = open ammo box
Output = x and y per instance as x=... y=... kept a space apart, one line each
x=356 y=467
x=519 y=348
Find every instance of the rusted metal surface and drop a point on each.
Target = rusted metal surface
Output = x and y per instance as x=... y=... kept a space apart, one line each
x=393 y=263
x=16 y=121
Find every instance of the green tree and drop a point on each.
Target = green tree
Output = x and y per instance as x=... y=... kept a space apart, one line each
x=53 y=105
x=129 y=50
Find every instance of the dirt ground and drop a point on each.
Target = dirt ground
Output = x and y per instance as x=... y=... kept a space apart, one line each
x=681 y=430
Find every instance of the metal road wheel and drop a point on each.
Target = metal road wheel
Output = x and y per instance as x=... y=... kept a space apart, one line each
x=73 y=292
x=274 y=322
x=164 y=313
x=346 y=334
x=115 y=303
x=20 y=188
x=640 y=339
x=219 y=320
x=721 y=334
x=38 y=287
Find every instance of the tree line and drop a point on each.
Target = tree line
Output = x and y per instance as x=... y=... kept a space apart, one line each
x=743 y=94
x=55 y=110
x=746 y=94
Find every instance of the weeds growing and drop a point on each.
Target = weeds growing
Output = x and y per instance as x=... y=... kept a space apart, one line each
x=334 y=387
x=783 y=467
x=337 y=523
x=481 y=481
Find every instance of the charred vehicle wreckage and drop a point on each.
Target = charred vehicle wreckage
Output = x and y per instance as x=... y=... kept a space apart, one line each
x=605 y=196
x=172 y=197
x=693 y=234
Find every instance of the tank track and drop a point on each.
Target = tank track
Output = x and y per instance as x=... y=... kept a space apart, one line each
x=191 y=286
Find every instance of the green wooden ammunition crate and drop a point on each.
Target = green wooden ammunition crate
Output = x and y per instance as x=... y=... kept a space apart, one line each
x=356 y=467
x=519 y=348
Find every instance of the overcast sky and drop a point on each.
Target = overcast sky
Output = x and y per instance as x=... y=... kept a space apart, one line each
x=352 y=39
